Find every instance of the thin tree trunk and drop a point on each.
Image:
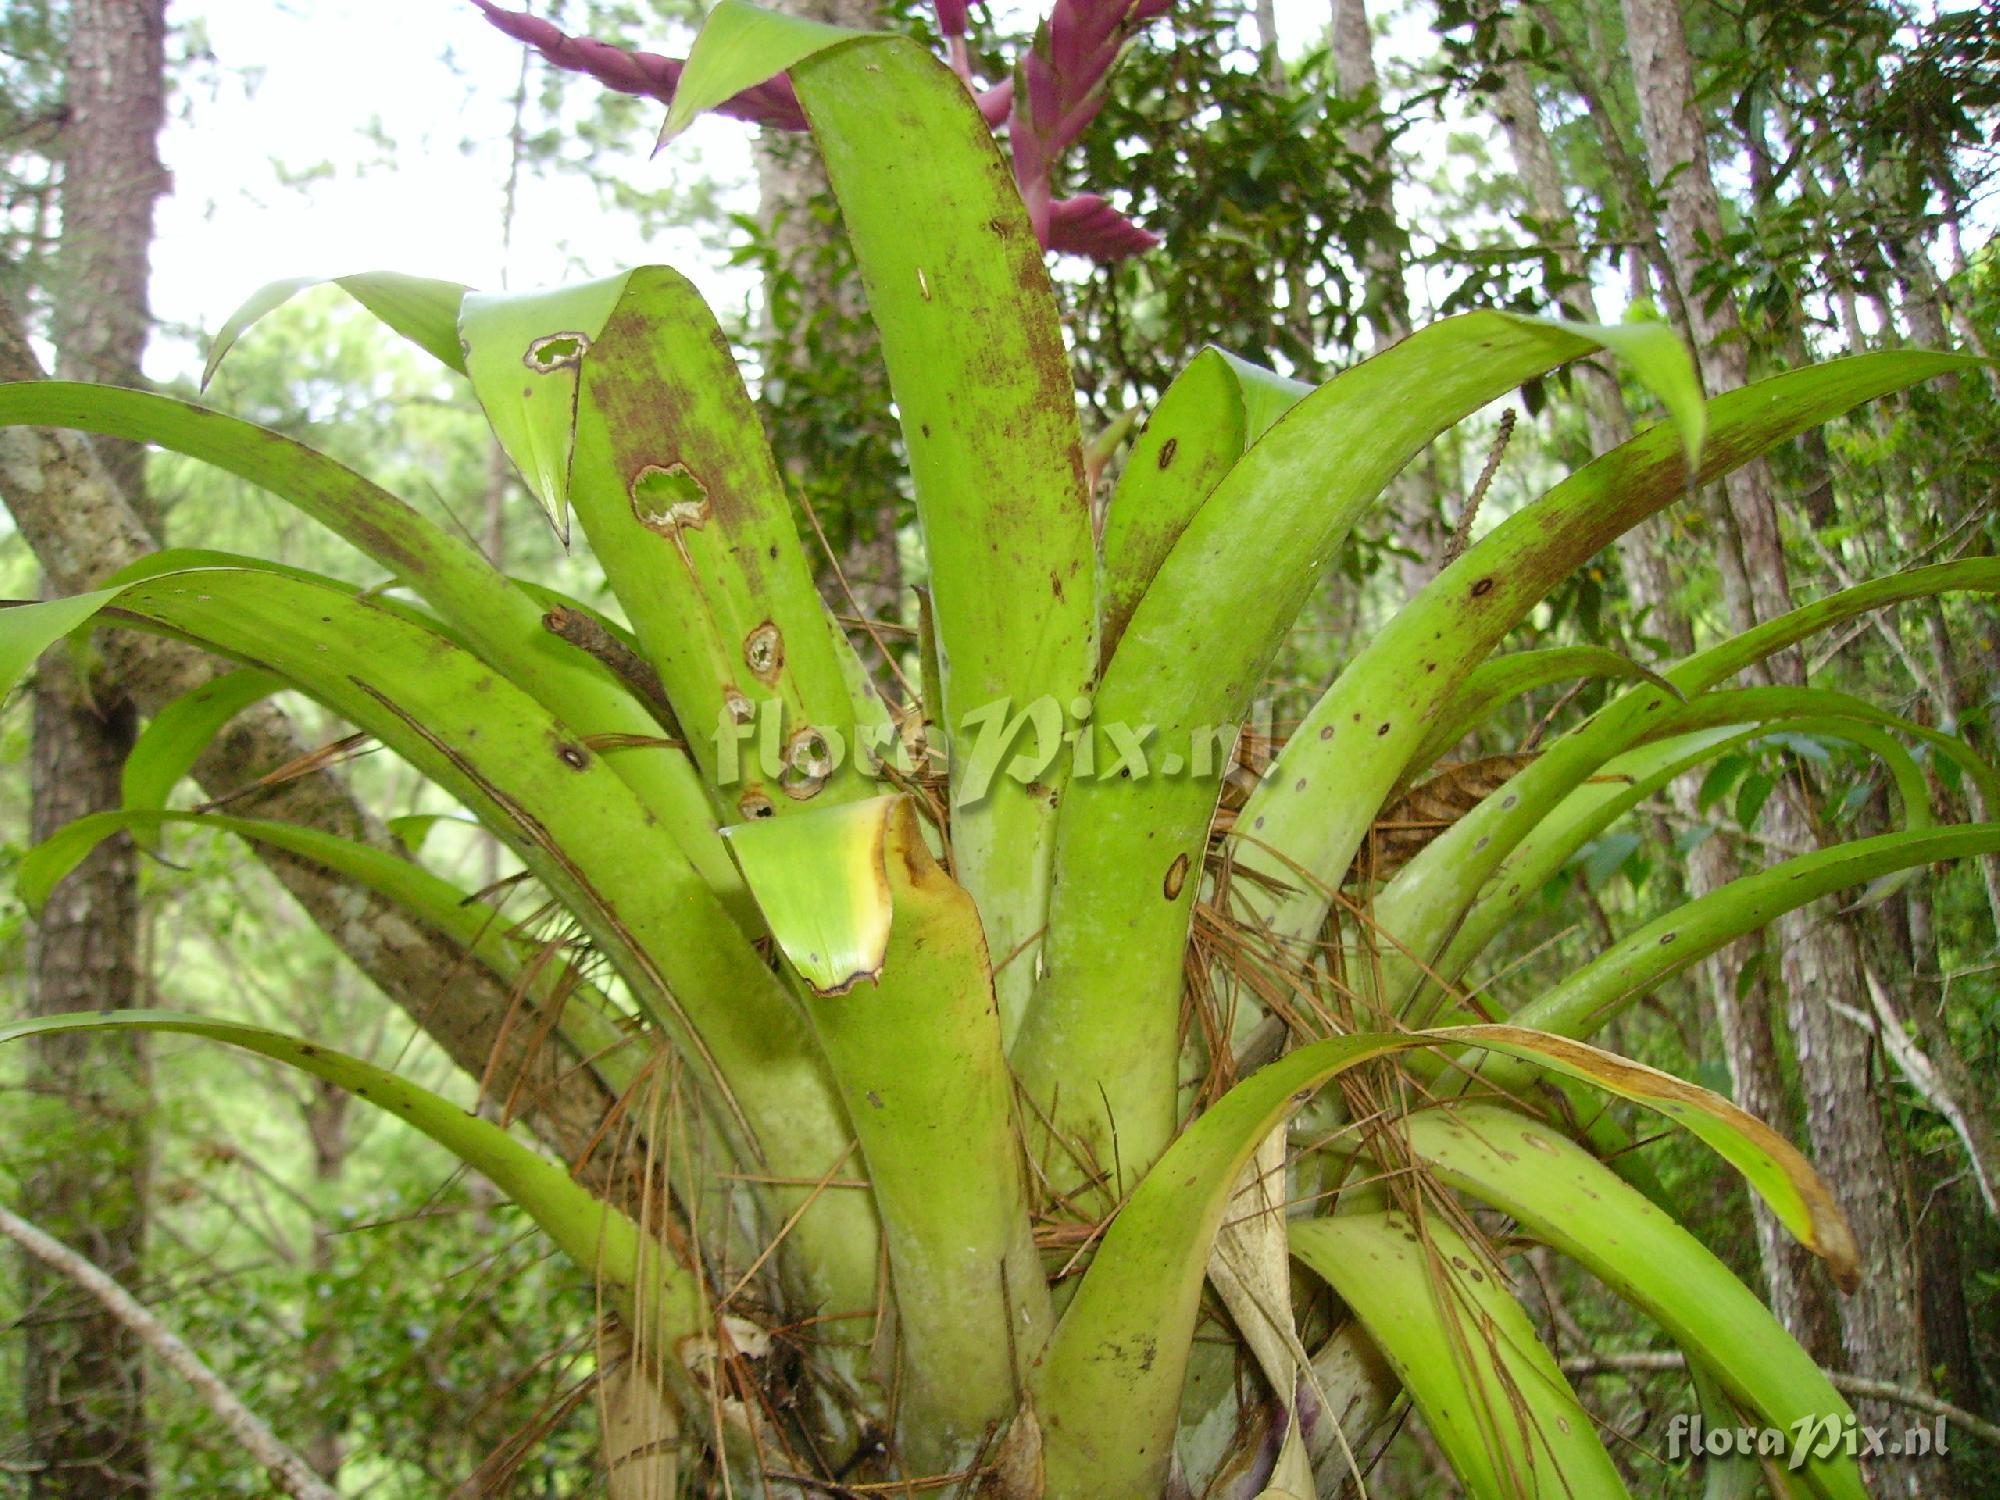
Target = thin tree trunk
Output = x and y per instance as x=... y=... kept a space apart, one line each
x=86 y=1179
x=287 y=1470
x=1743 y=1019
x=327 y=1113
x=1418 y=529
x=84 y=1380
x=1819 y=955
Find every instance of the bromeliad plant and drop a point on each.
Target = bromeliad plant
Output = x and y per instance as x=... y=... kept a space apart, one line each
x=980 y=1023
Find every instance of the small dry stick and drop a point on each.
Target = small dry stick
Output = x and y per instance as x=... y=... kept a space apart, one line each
x=1666 y=1360
x=628 y=666
x=288 y=1470
x=1461 y=538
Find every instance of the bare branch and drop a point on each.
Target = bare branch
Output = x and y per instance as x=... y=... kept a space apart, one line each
x=290 y=1472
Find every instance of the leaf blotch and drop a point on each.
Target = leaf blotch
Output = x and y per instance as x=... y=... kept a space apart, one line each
x=666 y=498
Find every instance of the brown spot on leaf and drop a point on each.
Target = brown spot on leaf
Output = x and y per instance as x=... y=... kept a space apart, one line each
x=1167 y=451
x=1177 y=873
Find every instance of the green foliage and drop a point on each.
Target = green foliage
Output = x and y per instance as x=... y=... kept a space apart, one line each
x=836 y=1000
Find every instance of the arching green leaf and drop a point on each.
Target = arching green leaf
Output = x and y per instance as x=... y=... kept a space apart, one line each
x=421 y=309
x=1566 y=1197
x=1467 y=1353
x=176 y=736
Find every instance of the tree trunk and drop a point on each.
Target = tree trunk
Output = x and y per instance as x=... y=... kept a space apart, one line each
x=326 y=1115
x=1417 y=528
x=1819 y=954
x=1743 y=1019
x=84 y=1377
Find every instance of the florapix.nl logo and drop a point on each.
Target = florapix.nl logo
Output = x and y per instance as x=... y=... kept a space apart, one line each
x=1815 y=1437
x=1045 y=740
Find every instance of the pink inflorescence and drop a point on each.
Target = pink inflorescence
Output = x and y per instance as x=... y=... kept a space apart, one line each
x=1056 y=90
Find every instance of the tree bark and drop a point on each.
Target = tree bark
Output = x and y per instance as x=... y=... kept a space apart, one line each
x=112 y=177
x=1819 y=954
x=1417 y=528
x=84 y=1379
x=326 y=1114
x=1744 y=1020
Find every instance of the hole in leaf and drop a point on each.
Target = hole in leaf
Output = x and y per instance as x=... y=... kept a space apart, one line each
x=556 y=351
x=809 y=762
x=666 y=499
x=764 y=650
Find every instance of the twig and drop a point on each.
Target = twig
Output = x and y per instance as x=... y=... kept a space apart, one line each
x=291 y=1472
x=1665 y=1360
x=588 y=635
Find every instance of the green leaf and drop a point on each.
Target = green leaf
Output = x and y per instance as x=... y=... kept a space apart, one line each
x=684 y=504
x=1106 y=1391
x=1215 y=408
x=1191 y=439
x=1410 y=667
x=1263 y=393
x=1751 y=795
x=1789 y=711
x=492 y=616
x=593 y=1031
x=1672 y=943
x=1439 y=887
x=958 y=288
x=582 y=832
x=1665 y=366
x=1101 y=1039
x=1466 y=1351
x=176 y=736
x=1424 y=902
x=27 y=630
x=1721 y=778
x=740 y=46
x=422 y=310
x=638 y=1275
x=1493 y=683
x=1770 y=1164
x=901 y=999
x=1607 y=857
x=524 y=353
x=1567 y=1198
